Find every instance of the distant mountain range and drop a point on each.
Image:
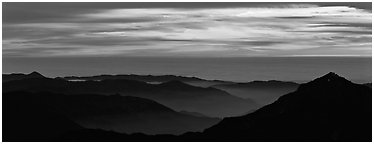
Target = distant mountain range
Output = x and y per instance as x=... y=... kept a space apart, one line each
x=151 y=79
x=329 y=108
x=261 y=92
x=174 y=94
x=20 y=76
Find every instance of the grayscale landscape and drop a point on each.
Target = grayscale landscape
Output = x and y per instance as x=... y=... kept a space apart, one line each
x=187 y=72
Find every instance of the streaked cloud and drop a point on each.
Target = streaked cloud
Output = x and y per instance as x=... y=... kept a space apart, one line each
x=263 y=29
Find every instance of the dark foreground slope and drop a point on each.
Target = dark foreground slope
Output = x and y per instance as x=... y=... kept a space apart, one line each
x=123 y=114
x=367 y=84
x=174 y=94
x=25 y=118
x=329 y=108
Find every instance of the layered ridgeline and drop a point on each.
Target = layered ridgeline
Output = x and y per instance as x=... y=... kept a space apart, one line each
x=124 y=114
x=152 y=79
x=174 y=94
x=329 y=108
x=263 y=92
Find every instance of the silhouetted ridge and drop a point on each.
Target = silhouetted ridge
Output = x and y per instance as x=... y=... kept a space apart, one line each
x=327 y=82
x=271 y=82
x=35 y=74
x=20 y=76
x=329 y=108
x=152 y=79
x=145 y=78
x=330 y=77
x=367 y=84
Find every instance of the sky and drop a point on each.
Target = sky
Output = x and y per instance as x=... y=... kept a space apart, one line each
x=186 y=29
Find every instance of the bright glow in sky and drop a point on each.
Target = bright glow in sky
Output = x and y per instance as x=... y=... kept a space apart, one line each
x=274 y=30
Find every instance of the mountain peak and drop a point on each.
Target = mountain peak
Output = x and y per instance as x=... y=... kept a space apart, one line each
x=330 y=77
x=330 y=80
x=35 y=74
x=317 y=111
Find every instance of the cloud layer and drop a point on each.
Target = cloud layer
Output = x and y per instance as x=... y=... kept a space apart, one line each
x=261 y=29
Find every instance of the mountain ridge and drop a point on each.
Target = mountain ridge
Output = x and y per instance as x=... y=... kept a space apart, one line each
x=151 y=79
x=176 y=95
x=20 y=76
x=295 y=117
x=305 y=115
x=328 y=108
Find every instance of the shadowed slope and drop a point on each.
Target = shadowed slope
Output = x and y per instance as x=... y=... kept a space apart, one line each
x=329 y=108
x=123 y=114
x=28 y=119
x=367 y=84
